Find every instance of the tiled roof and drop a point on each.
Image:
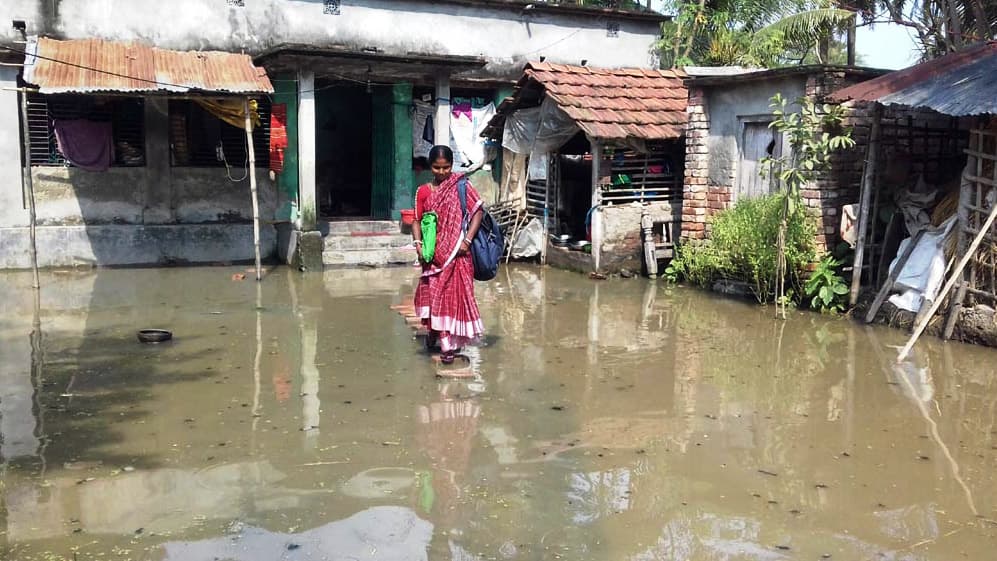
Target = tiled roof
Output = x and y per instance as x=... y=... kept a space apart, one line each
x=959 y=84
x=95 y=65
x=608 y=104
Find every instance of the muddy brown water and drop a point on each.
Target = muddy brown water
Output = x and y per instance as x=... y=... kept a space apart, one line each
x=617 y=420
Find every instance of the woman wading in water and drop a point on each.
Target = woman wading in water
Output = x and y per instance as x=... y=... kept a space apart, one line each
x=444 y=298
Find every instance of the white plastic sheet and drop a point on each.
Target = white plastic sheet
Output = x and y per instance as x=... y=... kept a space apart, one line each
x=538 y=166
x=542 y=129
x=924 y=271
x=529 y=241
x=465 y=135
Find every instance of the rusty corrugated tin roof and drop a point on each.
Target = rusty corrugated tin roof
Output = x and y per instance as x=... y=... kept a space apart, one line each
x=958 y=84
x=96 y=65
x=608 y=104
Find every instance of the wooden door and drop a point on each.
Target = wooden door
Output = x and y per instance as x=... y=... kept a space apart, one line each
x=758 y=142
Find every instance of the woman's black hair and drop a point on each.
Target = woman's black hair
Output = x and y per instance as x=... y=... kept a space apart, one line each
x=440 y=151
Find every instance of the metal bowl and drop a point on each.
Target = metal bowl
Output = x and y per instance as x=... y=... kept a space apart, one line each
x=154 y=335
x=579 y=244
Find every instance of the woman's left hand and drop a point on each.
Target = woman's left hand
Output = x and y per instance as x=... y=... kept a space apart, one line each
x=465 y=247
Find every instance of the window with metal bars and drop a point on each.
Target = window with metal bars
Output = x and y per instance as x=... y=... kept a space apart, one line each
x=199 y=139
x=126 y=114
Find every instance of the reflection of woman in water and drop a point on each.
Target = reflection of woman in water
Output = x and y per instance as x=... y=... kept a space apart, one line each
x=444 y=299
x=446 y=432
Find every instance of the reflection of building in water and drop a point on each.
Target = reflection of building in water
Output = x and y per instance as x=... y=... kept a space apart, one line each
x=17 y=414
x=160 y=501
x=384 y=533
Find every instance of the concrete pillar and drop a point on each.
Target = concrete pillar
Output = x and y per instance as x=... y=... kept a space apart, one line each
x=158 y=188
x=596 y=220
x=308 y=211
x=308 y=256
x=442 y=122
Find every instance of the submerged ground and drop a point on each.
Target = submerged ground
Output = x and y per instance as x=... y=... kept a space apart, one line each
x=622 y=420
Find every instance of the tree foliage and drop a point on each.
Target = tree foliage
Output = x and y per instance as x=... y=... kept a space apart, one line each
x=765 y=33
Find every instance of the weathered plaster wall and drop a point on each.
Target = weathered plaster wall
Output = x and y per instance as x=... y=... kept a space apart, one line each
x=506 y=37
x=622 y=246
x=13 y=211
x=70 y=196
x=115 y=245
x=727 y=109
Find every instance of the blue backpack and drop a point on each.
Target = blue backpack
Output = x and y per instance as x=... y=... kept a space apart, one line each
x=488 y=245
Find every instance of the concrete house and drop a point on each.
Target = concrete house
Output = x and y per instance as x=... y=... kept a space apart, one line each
x=360 y=89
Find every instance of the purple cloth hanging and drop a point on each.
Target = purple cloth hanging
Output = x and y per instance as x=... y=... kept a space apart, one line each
x=462 y=108
x=88 y=145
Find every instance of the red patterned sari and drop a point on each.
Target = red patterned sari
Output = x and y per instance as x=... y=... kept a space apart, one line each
x=444 y=298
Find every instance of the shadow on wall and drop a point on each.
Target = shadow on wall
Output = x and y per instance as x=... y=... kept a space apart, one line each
x=135 y=216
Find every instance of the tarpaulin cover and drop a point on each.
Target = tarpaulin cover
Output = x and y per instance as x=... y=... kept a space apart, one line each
x=231 y=111
x=924 y=271
x=538 y=129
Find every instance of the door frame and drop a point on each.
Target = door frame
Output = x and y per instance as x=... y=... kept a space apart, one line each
x=742 y=126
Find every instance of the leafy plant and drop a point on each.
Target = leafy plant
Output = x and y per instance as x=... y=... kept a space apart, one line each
x=826 y=288
x=811 y=142
x=742 y=246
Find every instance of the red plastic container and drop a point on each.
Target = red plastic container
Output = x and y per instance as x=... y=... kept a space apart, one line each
x=408 y=218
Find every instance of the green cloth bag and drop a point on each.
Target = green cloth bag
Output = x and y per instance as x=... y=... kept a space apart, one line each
x=428 y=227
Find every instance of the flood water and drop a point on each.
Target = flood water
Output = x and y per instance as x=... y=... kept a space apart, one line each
x=616 y=420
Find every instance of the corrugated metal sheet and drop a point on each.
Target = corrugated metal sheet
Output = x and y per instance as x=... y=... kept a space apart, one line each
x=958 y=84
x=609 y=104
x=95 y=65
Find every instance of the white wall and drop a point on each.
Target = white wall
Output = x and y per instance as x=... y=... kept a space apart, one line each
x=506 y=37
x=12 y=211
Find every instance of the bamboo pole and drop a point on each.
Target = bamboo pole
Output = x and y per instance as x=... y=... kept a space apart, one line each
x=252 y=188
x=30 y=188
x=884 y=291
x=868 y=184
x=953 y=278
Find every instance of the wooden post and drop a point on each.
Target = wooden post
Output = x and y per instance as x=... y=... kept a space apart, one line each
x=868 y=184
x=953 y=278
x=884 y=291
x=30 y=188
x=965 y=202
x=252 y=188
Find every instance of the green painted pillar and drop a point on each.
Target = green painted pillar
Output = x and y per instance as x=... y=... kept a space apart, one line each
x=404 y=178
x=392 y=177
x=286 y=92
x=382 y=137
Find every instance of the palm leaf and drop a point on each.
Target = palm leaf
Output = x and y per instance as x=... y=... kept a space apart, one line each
x=805 y=28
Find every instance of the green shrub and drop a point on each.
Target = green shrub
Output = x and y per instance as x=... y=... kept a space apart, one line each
x=742 y=247
x=826 y=288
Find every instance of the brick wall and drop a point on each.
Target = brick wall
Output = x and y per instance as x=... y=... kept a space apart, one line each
x=838 y=186
x=695 y=192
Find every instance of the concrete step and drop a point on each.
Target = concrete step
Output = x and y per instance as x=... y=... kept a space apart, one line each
x=368 y=258
x=373 y=241
x=354 y=227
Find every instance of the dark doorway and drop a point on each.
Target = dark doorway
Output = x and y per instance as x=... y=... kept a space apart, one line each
x=344 y=163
